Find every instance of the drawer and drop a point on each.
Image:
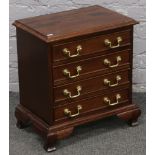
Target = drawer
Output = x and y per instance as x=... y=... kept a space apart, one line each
x=90 y=67
x=77 y=49
x=81 y=89
x=79 y=108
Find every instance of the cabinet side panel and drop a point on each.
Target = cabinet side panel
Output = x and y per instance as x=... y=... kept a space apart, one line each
x=131 y=63
x=34 y=75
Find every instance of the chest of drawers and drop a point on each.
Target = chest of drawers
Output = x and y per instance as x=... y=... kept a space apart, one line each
x=74 y=67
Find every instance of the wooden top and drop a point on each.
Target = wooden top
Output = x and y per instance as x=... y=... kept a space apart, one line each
x=67 y=24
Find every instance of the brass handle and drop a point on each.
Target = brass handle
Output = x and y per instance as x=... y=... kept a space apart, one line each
x=67 y=72
x=69 y=94
x=108 y=62
x=108 y=82
x=108 y=42
x=68 y=53
x=69 y=113
x=107 y=100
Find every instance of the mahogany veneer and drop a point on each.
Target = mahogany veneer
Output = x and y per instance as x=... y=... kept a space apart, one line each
x=74 y=67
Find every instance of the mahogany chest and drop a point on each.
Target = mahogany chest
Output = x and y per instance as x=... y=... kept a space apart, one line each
x=74 y=67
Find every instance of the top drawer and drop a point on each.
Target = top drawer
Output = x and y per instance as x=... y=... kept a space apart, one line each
x=76 y=49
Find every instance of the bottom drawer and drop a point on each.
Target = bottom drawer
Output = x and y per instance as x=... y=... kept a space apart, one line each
x=79 y=108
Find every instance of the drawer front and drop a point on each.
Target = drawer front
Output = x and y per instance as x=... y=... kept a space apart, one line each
x=79 y=108
x=98 y=65
x=76 y=49
x=70 y=92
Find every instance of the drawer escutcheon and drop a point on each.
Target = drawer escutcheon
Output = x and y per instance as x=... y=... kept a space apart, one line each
x=66 y=92
x=69 y=113
x=108 y=82
x=67 y=72
x=107 y=100
x=109 y=43
x=108 y=62
x=68 y=52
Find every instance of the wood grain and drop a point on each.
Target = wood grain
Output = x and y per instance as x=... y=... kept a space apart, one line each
x=73 y=23
x=91 y=67
x=92 y=104
x=40 y=41
x=91 y=86
x=91 y=45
